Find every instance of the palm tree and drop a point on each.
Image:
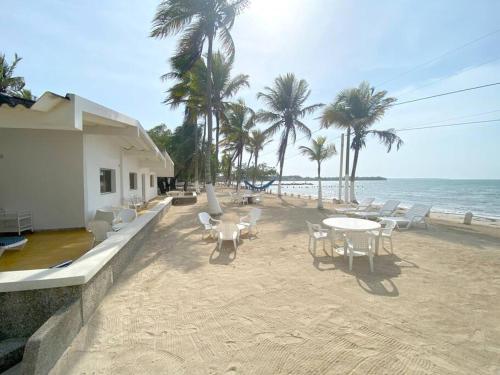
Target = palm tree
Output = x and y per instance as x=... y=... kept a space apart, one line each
x=319 y=152
x=258 y=139
x=200 y=21
x=224 y=88
x=189 y=91
x=10 y=84
x=238 y=121
x=285 y=101
x=358 y=109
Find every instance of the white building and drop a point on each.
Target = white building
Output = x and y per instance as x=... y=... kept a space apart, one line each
x=64 y=157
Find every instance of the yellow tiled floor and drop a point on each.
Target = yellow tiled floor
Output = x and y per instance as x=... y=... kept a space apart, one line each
x=45 y=249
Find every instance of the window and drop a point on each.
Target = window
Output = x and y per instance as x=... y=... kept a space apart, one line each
x=107 y=180
x=133 y=180
x=151 y=180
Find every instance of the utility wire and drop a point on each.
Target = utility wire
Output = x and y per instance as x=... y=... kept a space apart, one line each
x=427 y=127
x=440 y=57
x=446 y=93
x=433 y=82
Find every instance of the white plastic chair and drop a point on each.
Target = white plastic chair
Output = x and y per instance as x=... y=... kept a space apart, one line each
x=105 y=215
x=250 y=221
x=228 y=232
x=415 y=215
x=359 y=244
x=208 y=224
x=125 y=216
x=316 y=233
x=99 y=229
x=384 y=233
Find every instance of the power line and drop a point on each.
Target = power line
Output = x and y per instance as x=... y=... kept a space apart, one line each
x=440 y=57
x=447 y=93
x=448 y=125
x=446 y=77
x=427 y=127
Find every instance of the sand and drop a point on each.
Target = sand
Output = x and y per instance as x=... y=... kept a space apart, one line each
x=181 y=307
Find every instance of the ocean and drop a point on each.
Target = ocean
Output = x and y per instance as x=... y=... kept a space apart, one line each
x=481 y=197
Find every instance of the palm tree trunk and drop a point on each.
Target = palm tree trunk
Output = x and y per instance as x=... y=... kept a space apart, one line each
x=320 y=192
x=282 y=159
x=217 y=121
x=353 y=173
x=255 y=168
x=208 y=153
x=238 y=176
x=249 y=160
x=196 y=181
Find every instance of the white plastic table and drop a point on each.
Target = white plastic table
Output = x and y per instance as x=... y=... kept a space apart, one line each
x=349 y=224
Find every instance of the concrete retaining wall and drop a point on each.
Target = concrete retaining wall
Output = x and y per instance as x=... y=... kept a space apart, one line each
x=53 y=317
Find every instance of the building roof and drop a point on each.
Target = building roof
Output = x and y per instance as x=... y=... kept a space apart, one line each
x=12 y=101
x=75 y=113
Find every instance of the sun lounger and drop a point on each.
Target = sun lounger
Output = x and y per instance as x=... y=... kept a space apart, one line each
x=12 y=243
x=415 y=215
x=363 y=205
x=387 y=209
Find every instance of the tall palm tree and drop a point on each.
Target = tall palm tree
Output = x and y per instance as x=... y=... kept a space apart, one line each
x=319 y=152
x=10 y=84
x=358 y=109
x=238 y=121
x=200 y=21
x=285 y=102
x=258 y=139
x=224 y=88
x=189 y=91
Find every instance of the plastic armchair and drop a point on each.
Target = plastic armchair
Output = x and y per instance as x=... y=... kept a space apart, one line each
x=99 y=229
x=208 y=223
x=360 y=244
x=384 y=233
x=250 y=220
x=228 y=232
x=316 y=233
x=125 y=216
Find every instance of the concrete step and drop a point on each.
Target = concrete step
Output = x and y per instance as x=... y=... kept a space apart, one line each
x=11 y=352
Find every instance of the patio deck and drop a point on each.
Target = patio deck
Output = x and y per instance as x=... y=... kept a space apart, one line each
x=45 y=249
x=183 y=307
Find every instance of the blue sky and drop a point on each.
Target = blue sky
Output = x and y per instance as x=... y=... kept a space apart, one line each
x=101 y=50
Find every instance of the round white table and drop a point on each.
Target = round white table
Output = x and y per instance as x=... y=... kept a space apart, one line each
x=349 y=224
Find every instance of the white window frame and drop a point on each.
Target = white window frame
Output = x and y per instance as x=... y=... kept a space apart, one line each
x=133 y=181
x=112 y=180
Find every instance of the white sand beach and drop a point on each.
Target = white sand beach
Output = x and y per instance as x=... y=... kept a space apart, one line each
x=182 y=307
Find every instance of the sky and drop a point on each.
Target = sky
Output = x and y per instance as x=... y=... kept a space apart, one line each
x=101 y=50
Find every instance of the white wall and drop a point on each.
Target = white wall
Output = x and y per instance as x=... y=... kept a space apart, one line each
x=104 y=151
x=100 y=152
x=42 y=171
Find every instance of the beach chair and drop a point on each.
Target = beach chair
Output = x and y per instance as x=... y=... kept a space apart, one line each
x=228 y=232
x=250 y=221
x=387 y=209
x=384 y=233
x=359 y=244
x=363 y=205
x=124 y=217
x=207 y=222
x=99 y=229
x=316 y=233
x=417 y=214
x=12 y=243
